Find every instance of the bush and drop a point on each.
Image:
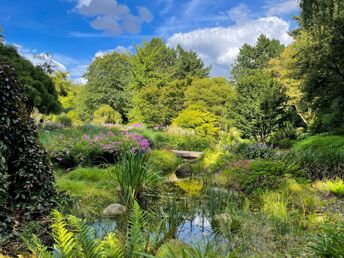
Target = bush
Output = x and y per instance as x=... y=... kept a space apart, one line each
x=259 y=175
x=253 y=150
x=336 y=186
x=163 y=160
x=203 y=122
x=106 y=115
x=321 y=156
x=64 y=120
x=87 y=146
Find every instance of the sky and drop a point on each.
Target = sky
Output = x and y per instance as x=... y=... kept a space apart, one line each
x=74 y=32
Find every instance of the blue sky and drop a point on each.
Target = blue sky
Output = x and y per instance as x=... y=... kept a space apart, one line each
x=75 y=31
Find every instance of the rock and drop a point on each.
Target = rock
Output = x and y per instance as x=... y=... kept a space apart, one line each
x=114 y=209
x=184 y=170
x=223 y=218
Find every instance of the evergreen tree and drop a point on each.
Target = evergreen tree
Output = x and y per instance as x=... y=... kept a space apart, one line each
x=38 y=86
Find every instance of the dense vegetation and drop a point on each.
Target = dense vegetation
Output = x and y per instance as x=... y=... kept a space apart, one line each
x=268 y=181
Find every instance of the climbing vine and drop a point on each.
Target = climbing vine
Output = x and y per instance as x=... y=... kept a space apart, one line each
x=27 y=188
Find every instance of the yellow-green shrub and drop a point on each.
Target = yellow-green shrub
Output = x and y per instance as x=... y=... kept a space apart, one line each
x=106 y=115
x=163 y=160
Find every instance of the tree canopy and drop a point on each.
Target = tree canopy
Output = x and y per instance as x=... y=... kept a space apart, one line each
x=38 y=86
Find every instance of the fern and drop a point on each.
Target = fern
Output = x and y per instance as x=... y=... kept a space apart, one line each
x=65 y=240
x=38 y=250
x=85 y=236
x=110 y=247
x=136 y=238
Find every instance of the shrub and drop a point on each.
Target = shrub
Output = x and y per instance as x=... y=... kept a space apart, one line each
x=64 y=120
x=253 y=150
x=336 y=186
x=163 y=160
x=184 y=139
x=203 y=122
x=106 y=115
x=87 y=146
x=321 y=156
x=259 y=175
x=329 y=241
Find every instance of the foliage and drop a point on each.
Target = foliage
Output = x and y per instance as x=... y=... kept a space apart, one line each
x=192 y=186
x=256 y=57
x=106 y=115
x=74 y=238
x=260 y=106
x=329 y=241
x=134 y=177
x=163 y=160
x=38 y=86
x=336 y=186
x=215 y=94
x=29 y=182
x=155 y=105
x=108 y=81
x=89 y=145
x=248 y=150
x=64 y=120
x=320 y=61
x=320 y=156
x=203 y=122
x=259 y=175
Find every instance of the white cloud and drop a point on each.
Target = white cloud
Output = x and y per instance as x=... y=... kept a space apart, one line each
x=113 y=18
x=281 y=7
x=219 y=46
x=118 y=49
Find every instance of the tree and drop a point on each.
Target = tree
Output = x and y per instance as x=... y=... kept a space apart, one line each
x=25 y=170
x=320 y=61
x=256 y=57
x=153 y=64
x=196 y=117
x=158 y=106
x=108 y=81
x=260 y=106
x=188 y=64
x=215 y=95
x=38 y=86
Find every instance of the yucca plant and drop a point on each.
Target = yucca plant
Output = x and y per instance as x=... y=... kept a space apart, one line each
x=134 y=177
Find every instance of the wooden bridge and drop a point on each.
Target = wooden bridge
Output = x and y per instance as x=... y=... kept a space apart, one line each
x=188 y=154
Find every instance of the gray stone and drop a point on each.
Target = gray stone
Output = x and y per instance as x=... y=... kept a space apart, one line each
x=114 y=209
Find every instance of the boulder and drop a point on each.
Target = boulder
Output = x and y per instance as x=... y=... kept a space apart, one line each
x=114 y=209
x=184 y=170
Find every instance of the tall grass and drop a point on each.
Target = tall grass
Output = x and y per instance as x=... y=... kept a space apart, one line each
x=134 y=177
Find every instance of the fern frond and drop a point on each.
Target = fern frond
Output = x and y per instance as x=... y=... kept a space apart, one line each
x=136 y=239
x=110 y=247
x=38 y=250
x=85 y=237
x=65 y=240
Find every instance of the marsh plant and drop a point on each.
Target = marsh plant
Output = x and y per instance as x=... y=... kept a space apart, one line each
x=134 y=177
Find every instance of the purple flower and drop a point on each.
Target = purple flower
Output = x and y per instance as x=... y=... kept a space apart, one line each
x=137 y=125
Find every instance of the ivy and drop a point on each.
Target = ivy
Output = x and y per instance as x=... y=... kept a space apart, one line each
x=27 y=188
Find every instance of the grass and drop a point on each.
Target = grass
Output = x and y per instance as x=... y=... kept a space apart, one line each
x=336 y=186
x=92 y=189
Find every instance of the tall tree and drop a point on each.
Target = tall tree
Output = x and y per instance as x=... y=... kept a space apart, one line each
x=256 y=57
x=108 y=81
x=38 y=86
x=260 y=106
x=320 y=61
x=188 y=64
x=215 y=94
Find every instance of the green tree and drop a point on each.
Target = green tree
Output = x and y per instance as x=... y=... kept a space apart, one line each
x=256 y=57
x=215 y=95
x=188 y=64
x=320 y=61
x=155 y=105
x=108 y=80
x=260 y=106
x=153 y=64
x=38 y=86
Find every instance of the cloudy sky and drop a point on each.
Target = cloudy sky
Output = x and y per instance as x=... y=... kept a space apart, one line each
x=75 y=31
